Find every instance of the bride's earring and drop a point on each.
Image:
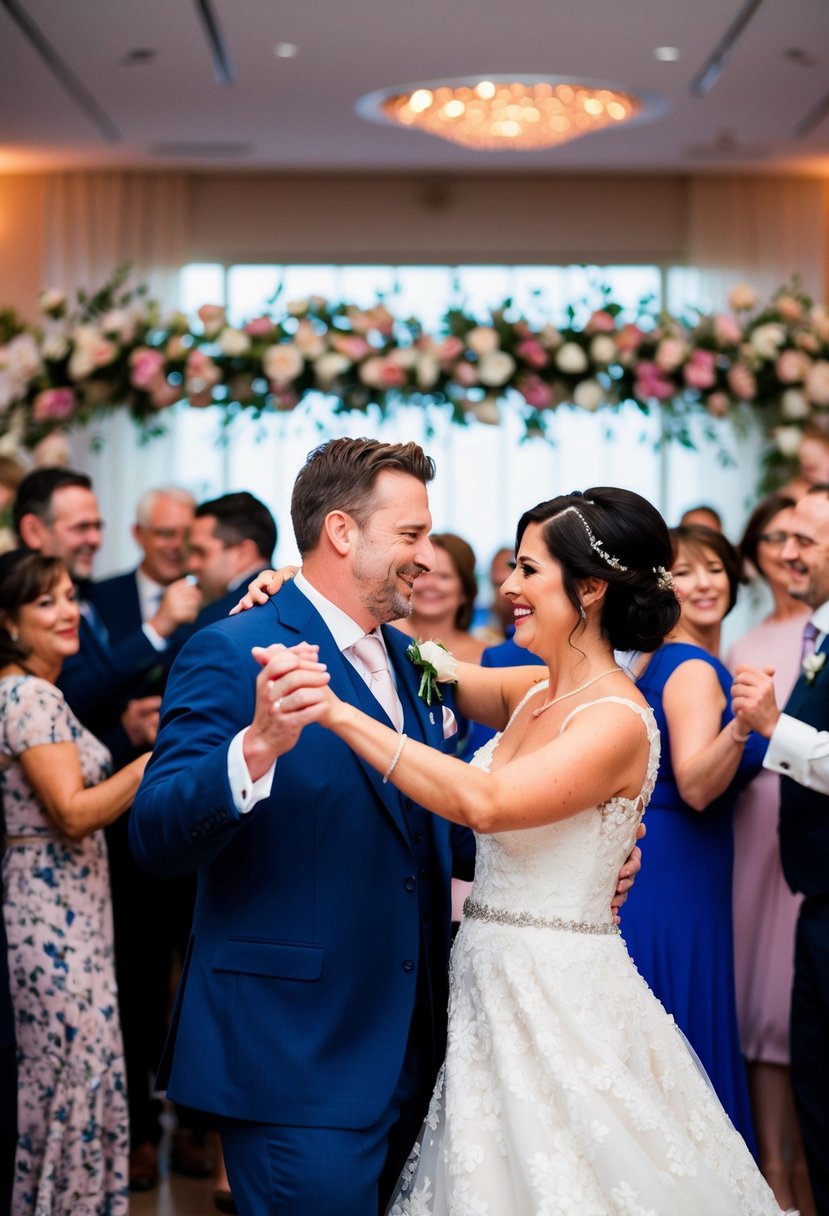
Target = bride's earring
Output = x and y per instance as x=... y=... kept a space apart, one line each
x=582 y=613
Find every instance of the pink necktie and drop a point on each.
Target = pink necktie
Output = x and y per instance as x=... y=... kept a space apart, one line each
x=371 y=653
x=810 y=633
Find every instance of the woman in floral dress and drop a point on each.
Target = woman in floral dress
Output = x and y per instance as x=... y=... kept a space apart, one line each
x=56 y=797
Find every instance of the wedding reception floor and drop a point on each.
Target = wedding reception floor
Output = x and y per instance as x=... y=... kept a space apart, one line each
x=174 y=1195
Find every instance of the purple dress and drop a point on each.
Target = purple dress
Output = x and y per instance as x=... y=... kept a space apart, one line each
x=72 y=1110
x=765 y=910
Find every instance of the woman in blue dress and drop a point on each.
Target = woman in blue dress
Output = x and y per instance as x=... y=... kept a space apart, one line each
x=682 y=944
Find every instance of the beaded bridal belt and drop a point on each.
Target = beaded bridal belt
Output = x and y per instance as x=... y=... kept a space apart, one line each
x=500 y=916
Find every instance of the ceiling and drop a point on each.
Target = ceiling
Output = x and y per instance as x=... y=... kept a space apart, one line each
x=95 y=104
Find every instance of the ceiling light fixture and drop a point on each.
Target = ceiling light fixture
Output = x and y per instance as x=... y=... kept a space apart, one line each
x=667 y=54
x=286 y=50
x=509 y=112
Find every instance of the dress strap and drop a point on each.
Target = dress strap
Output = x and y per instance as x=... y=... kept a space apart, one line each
x=654 y=741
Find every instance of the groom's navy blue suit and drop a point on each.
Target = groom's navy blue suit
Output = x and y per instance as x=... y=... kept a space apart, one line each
x=322 y=916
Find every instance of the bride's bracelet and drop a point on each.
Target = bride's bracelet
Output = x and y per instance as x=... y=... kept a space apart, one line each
x=740 y=739
x=395 y=758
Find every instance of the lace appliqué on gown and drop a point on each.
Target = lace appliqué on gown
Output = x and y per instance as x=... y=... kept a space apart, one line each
x=567 y=1090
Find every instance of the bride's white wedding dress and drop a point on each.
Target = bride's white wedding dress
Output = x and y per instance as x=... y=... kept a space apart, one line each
x=567 y=1090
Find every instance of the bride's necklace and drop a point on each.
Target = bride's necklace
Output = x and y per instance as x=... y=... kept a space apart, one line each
x=549 y=704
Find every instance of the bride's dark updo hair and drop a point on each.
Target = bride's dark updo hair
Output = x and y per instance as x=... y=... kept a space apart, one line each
x=620 y=537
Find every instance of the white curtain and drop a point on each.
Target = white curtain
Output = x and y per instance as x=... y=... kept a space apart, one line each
x=96 y=222
x=758 y=230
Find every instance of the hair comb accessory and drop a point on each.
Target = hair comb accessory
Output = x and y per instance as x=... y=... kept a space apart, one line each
x=664 y=578
x=595 y=544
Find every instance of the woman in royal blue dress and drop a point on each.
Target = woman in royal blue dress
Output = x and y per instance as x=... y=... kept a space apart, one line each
x=682 y=943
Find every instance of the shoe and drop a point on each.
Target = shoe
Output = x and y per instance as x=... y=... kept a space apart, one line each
x=190 y=1155
x=224 y=1201
x=143 y=1167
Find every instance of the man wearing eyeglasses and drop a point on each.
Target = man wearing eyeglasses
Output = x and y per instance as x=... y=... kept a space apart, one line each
x=799 y=752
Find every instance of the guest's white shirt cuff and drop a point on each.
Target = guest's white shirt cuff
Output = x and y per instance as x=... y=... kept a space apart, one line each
x=154 y=637
x=246 y=792
x=801 y=752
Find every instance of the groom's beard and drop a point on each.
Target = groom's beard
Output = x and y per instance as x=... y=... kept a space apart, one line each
x=384 y=600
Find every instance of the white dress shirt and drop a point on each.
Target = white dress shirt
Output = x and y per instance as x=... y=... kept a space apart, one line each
x=796 y=749
x=150 y=595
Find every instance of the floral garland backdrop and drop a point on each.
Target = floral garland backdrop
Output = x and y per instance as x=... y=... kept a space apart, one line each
x=112 y=350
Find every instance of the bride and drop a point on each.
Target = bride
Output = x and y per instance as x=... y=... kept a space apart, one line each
x=566 y=1088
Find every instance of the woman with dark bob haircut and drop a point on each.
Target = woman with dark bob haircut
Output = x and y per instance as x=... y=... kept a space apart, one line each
x=684 y=947
x=56 y=798
x=565 y=1084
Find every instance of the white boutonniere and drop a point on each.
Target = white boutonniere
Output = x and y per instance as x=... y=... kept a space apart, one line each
x=812 y=666
x=437 y=666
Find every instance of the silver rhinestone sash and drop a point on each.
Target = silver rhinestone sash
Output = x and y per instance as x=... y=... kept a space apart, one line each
x=500 y=916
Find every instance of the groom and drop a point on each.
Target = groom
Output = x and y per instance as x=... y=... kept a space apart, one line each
x=312 y=1009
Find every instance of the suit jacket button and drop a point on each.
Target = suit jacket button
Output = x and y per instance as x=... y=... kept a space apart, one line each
x=408 y=965
x=410 y=883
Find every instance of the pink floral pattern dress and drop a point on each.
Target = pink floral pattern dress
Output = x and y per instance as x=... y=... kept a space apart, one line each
x=72 y=1112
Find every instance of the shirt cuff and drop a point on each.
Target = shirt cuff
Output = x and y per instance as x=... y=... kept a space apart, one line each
x=246 y=792
x=154 y=637
x=790 y=747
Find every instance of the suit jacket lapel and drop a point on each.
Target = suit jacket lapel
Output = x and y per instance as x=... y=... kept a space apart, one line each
x=296 y=612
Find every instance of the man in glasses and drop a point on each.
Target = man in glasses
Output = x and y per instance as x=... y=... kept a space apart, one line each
x=799 y=752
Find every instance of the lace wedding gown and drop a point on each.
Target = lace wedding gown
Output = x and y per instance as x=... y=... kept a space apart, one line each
x=567 y=1090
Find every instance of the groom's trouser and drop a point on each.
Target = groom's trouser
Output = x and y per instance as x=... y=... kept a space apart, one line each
x=276 y=1170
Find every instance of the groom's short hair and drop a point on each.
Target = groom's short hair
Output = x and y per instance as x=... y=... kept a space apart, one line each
x=340 y=476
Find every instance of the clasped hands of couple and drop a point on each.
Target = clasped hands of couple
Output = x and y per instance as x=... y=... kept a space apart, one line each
x=292 y=692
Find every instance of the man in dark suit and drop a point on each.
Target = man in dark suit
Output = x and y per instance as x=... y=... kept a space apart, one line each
x=231 y=541
x=311 y=1014
x=799 y=751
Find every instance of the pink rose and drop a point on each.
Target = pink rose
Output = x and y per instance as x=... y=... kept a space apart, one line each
x=53 y=405
x=700 y=371
x=670 y=353
x=629 y=339
x=792 y=366
x=817 y=383
x=742 y=382
x=807 y=341
x=533 y=353
x=351 y=346
x=465 y=374
x=382 y=373
x=450 y=349
x=651 y=383
x=201 y=376
x=789 y=308
x=285 y=399
x=537 y=393
x=212 y=317
x=145 y=367
x=259 y=327
x=727 y=329
x=600 y=322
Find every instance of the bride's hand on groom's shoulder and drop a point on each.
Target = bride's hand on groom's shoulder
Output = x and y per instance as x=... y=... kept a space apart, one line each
x=266 y=584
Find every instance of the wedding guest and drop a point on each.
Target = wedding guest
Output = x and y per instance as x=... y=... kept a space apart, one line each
x=812 y=459
x=684 y=948
x=765 y=910
x=798 y=739
x=232 y=539
x=703 y=515
x=57 y=796
x=498 y=623
x=443 y=599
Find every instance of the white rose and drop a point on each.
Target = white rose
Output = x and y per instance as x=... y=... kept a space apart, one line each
x=52 y=300
x=482 y=340
x=787 y=439
x=670 y=353
x=427 y=372
x=589 y=395
x=443 y=661
x=22 y=358
x=54 y=347
x=282 y=362
x=118 y=323
x=81 y=362
x=571 y=358
x=794 y=405
x=52 y=451
x=330 y=367
x=603 y=349
x=403 y=356
x=297 y=308
x=742 y=297
x=767 y=339
x=487 y=411
x=234 y=342
x=308 y=342
x=817 y=383
x=373 y=372
x=495 y=369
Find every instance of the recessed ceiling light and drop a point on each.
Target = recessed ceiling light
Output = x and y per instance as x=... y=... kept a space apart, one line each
x=668 y=54
x=286 y=50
